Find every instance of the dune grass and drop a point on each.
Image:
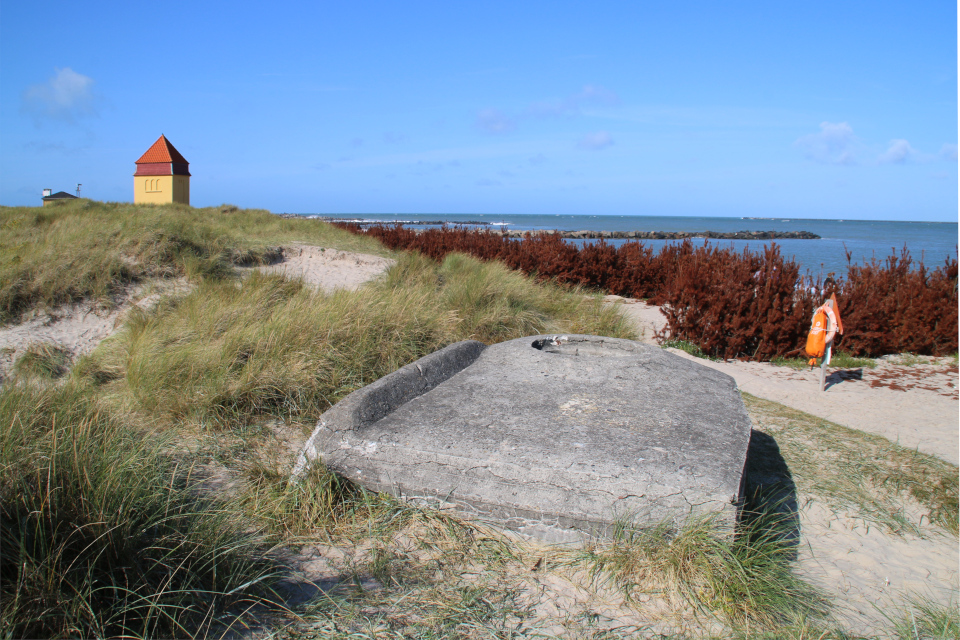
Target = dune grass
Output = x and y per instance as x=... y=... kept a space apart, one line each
x=744 y=579
x=91 y=250
x=42 y=360
x=688 y=347
x=103 y=535
x=231 y=351
x=924 y=618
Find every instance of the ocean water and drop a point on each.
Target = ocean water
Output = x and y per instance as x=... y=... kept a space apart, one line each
x=933 y=242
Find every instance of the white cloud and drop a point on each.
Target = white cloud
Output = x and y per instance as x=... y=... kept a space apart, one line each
x=898 y=152
x=495 y=121
x=835 y=144
x=66 y=96
x=595 y=141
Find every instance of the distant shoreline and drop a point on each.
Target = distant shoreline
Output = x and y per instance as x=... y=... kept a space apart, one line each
x=585 y=234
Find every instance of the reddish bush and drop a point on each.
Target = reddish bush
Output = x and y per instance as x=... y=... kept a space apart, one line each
x=737 y=305
x=732 y=305
x=890 y=307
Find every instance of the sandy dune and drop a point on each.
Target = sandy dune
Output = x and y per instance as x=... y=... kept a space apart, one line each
x=79 y=328
x=327 y=269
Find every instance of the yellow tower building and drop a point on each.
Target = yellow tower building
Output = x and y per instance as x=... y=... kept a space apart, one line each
x=163 y=175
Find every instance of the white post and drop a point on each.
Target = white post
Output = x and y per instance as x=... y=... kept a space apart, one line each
x=826 y=353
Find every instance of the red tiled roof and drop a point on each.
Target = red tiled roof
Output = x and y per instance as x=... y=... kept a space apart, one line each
x=162 y=151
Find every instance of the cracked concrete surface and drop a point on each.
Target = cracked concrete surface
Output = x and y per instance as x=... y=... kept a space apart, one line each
x=554 y=437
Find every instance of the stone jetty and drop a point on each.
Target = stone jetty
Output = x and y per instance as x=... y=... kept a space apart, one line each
x=586 y=234
x=668 y=235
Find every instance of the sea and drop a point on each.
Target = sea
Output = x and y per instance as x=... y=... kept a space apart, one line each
x=865 y=240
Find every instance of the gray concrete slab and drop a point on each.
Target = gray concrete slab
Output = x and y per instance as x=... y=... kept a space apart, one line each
x=552 y=436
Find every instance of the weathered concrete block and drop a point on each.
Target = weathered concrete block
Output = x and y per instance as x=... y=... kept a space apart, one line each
x=551 y=436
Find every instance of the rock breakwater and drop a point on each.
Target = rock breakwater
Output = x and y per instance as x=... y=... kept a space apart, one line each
x=668 y=235
x=585 y=234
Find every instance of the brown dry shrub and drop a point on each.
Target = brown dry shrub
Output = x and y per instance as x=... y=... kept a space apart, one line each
x=895 y=306
x=752 y=305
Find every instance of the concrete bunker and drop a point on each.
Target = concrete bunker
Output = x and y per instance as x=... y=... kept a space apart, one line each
x=557 y=437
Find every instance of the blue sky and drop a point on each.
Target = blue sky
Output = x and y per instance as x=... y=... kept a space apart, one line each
x=813 y=109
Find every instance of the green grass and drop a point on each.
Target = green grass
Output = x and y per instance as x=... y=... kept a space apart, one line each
x=91 y=250
x=925 y=619
x=42 y=360
x=853 y=469
x=231 y=351
x=838 y=360
x=744 y=579
x=103 y=535
x=688 y=347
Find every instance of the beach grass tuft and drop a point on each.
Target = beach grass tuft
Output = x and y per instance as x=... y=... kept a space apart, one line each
x=687 y=347
x=42 y=360
x=923 y=618
x=103 y=535
x=743 y=578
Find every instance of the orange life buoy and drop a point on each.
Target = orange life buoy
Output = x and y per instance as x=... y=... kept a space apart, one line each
x=823 y=328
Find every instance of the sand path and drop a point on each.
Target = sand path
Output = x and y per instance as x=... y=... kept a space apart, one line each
x=872 y=400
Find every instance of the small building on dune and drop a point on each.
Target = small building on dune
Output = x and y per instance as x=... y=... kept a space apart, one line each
x=162 y=176
x=61 y=196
